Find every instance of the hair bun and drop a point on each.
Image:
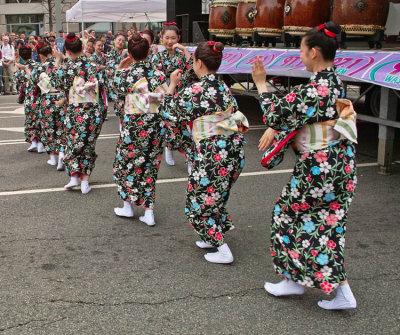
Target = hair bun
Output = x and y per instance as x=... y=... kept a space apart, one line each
x=219 y=46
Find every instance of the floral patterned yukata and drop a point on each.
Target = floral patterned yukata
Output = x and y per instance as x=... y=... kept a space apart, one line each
x=82 y=81
x=113 y=58
x=27 y=97
x=177 y=137
x=219 y=159
x=139 y=147
x=309 y=219
x=101 y=60
x=51 y=116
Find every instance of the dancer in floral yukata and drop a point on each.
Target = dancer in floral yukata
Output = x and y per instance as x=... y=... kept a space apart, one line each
x=27 y=97
x=113 y=58
x=139 y=147
x=99 y=59
x=176 y=56
x=219 y=148
x=81 y=81
x=309 y=220
x=52 y=116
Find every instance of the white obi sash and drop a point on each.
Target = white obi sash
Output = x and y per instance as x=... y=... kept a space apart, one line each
x=84 y=92
x=45 y=84
x=320 y=135
x=221 y=123
x=141 y=101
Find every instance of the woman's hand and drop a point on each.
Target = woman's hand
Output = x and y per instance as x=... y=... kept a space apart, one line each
x=183 y=49
x=59 y=57
x=125 y=63
x=60 y=103
x=179 y=46
x=259 y=76
x=266 y=140
x=174 y=80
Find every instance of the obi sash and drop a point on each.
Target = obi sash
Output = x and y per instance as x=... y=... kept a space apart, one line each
x=321 y=135
x=221 y=123
x=84 y=92
x=141 y=101
x=45 y=84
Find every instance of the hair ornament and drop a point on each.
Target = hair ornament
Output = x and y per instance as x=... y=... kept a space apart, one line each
x=71 y=39
x=170 y=24
x=326 y=31
x=212 y=44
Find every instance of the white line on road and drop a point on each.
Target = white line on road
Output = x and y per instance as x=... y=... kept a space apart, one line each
x=160 y=181
x=102 y=137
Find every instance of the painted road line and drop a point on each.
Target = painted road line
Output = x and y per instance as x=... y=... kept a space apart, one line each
x=11 y=117
x=14 y=129
x=160 y=181
x=101 y=137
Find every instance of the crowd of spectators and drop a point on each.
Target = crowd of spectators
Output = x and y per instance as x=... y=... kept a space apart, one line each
x=11 y=42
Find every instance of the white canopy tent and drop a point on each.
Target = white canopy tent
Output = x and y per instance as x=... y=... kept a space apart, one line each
x=118 y=11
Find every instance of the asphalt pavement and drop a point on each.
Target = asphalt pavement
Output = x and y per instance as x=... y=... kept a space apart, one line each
x=68 y=265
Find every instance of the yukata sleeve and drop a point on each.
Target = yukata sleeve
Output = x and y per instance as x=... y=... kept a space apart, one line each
x=19 y=79
x=60 y=78
x=110 y=72
x=188 y=76
x=120 y=83
x=297 y=108
x=183 y=106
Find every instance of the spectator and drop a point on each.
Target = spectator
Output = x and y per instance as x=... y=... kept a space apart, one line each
x=11 y=40
x=109 y=39
x=92 y=34
x=32 y=44
x=8 y=56
x=22 y=37
x=1 y=73
x=60 y=40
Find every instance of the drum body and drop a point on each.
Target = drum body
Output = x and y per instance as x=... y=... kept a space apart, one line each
x=303 y=15
x=360 y=17
x=222 y=21
x=245 y=16
x=269 y=19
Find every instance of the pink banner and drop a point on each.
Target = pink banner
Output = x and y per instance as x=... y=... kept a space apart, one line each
x=377 y=67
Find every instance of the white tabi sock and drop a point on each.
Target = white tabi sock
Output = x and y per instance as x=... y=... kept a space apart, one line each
x=40 y=148
x=344 y=299
x=189 y=167
x=204 y=245
x=33 y=146
x=73 y=182
x=53 y=160
x=126 y=210
x=85 y=188
x=148 y=217
x=222 y=256
x=169 y=157
x=285 y=287
x=60 y=165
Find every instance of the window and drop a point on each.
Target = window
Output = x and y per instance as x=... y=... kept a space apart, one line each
x=28 y=24
x=22 y=1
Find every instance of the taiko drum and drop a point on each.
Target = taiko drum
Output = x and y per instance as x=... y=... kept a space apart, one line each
x=222 y=21
x=360 y=17
x=269 y=19
x=245 y=17
x=303 y=15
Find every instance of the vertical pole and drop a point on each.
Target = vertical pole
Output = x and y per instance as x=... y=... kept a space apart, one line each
x=388 y=110
x=59 y=24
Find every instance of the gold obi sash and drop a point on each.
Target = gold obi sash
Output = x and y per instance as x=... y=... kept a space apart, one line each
x=141 y=101
x=320 y=135
x=221 y=123
x=84 y=92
